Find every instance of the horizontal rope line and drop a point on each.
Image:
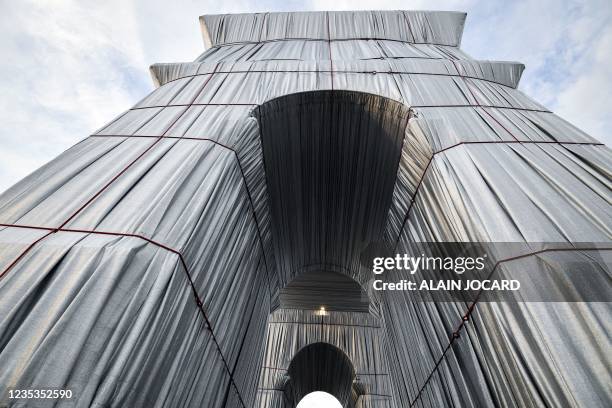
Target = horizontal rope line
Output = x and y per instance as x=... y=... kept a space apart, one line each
x=371 y=394
x=272 y=59
x=357 y=374
x=332 y=72
x=372 y=374
x=411 y=106
x=455 y=334
x=202 y=139
x=279 y=40
x=482 y=106
x=381 y=58
x=428 y=165
x=274 y=368
x=192 y=104
x=326 y=324
x=385 y=58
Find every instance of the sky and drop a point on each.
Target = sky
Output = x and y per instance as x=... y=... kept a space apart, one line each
x=70 y=66
x=319 y=399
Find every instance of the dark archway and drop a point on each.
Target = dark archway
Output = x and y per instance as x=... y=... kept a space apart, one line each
x=321 y=367
x=331 y=161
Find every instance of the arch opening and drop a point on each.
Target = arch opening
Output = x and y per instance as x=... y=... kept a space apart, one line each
x=320 y=367
x=319 y=399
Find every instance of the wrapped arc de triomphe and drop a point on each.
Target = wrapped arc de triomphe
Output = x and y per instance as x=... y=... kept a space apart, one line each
x=175 y=256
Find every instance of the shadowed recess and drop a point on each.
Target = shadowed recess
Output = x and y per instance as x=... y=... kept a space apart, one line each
x=331 y=161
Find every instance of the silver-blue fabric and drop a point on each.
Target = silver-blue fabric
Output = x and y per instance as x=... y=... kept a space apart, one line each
x=108 y=248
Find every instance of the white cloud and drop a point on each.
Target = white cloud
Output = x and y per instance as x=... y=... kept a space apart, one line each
x=64 y=74
x=70 y=66
x=561 y=43
x=585 y=98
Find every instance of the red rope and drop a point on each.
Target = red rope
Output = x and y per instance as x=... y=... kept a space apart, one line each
x=416 y=190
x=335 y=39
x=464 y=319
x=182 y=260
x=477 y=102
x=198 y=300
x=412 y=106
x=482 y=106
x=111 y=181
x=24 y=252
x=323 y=71
x=516 y=140
x=250 y=198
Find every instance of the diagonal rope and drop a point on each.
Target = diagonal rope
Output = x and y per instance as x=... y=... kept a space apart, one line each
x=466 y=316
